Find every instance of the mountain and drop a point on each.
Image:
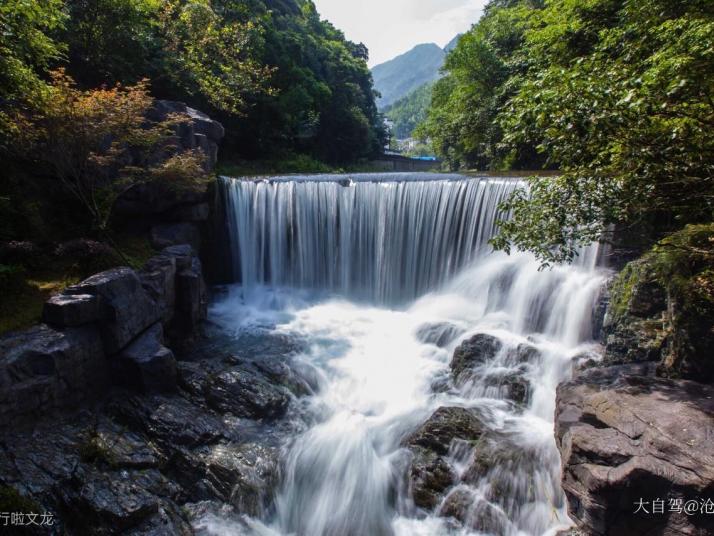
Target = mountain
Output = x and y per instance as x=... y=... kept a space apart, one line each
x=399 y=77
x=409 y=111
x=402 y=75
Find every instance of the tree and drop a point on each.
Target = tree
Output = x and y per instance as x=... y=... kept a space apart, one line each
x=25 y=53
x=621 y=97
x=99 y=143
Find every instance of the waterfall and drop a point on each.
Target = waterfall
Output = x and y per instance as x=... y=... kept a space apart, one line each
x=361 y=267
x=383 y=238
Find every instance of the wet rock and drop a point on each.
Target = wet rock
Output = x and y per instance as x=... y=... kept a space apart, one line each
x=171 y=421
x=439 y=334
x=244 y=393
x=120 y=448
x=43 y=369
x=523 y=354
x=474 y=352
x=130 y=309
x=430 y=474
x=429 y=478
x=445 y=425
x=174 y=234
x=147 y=365
x=106 y=503
x=474 y=513
x=626 y=436
x=72 y=310
x=510 y=385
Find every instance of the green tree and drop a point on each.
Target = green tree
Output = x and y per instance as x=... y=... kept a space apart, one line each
x=26 y=52
x=620 y=95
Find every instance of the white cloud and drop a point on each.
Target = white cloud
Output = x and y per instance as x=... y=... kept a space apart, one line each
x=392 y=27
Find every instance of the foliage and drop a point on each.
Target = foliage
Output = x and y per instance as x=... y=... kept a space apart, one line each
x=409 y=111
x=480 y=74
x=323 y=103
x=25 y=52
x=83 y=136
x=621 y=97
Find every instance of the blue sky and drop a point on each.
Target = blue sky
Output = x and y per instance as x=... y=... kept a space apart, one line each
x=391 y=27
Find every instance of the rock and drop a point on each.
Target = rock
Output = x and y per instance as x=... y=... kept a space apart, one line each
x=122 y=448
x=474 y=513
x=245 y=394
x=429 y=478
x=626 y=436
x=172 y=234
x=107 y=503
x=158 y=277
x=510 y=385
x=130 y=309
x=430 y=474
x=191 y=298
x=173 y=422
x=147 y=365
x=445 y=425
x=440 y=334
x=72 y=310
x=191 y=213
x=474 y=352
x=43 y=369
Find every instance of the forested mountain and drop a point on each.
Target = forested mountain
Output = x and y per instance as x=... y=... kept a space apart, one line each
x=402 y=75
x=409 y=111
x=279 y=78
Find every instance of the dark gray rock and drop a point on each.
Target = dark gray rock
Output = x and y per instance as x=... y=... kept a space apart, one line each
x=244 y=393
x=107 y=503
x=474 y=352
x=474 y=513
x=171 y=421
x=42 y=369
x=147 y=365
x=441 y=334
x=173 y=234
x=430 y=474
x=130 y=310
x=158 y=278
x=192 y=213
x=66 y=310
x=625 y=435
x=445 y=425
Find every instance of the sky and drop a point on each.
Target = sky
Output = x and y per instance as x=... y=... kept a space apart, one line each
x=392 y=27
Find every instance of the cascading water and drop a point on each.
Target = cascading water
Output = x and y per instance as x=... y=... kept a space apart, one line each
x=362 y=269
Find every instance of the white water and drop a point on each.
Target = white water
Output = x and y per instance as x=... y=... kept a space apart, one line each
x=414 y=253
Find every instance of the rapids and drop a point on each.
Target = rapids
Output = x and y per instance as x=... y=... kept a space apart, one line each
x=358 y=268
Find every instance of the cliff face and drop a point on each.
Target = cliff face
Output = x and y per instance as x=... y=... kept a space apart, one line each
x=637 y=428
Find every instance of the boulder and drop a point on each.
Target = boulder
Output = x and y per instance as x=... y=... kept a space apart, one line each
x=474 y=352
x=192 y=297
x=244 y=393
x=43 y=369
x=65 y=310
x=439 y=334
x=626 y=436
x=172 y=234
x=129 y=308
x=445 y=425
x=107 y=503
x=430 y=474
x=147 y=365
x=158 y=277
x=474 y=513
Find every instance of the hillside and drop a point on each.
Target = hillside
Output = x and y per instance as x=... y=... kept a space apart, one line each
x=409 y=111
x=402 y=75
